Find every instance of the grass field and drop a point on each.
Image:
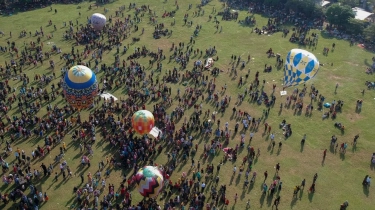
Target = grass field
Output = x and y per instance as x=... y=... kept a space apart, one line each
x=340 y=175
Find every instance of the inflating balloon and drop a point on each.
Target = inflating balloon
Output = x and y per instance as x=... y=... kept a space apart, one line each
x=300 y=66
x=80 y=87
x=98 y=21
x=149 y=181
x=143 y=121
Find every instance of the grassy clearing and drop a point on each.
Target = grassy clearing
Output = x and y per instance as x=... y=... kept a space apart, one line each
x=339 y=178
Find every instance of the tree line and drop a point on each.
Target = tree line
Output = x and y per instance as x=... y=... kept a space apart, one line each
x=338 y=14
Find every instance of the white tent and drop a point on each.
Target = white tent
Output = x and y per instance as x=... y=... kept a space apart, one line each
x=155 y=132
x=107 y=96
x=324 y=3
x=209 y=63
x=361 y=14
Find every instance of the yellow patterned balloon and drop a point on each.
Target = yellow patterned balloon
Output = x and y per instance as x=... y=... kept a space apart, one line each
x=80 y=86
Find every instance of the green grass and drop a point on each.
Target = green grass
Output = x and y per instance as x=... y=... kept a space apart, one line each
x=339 y=178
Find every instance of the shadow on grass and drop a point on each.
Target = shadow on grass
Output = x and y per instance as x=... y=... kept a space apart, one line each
x=261 y=200
x=342 y=156
x=311 y=196
x=293 y=202
x=302 y=147
x=366 y=191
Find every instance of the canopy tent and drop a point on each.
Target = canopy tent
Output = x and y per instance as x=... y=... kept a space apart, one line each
x=107 y=96
x=155 y=132
x=283 y=93
x=324 y=3
x=361 y=14
x=209 y=63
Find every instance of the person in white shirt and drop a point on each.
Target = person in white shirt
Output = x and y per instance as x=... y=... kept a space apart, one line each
x=203 y=185
x=251 y=136
x=272 y=136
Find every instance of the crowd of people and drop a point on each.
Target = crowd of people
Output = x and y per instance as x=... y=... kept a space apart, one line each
x=111 y=119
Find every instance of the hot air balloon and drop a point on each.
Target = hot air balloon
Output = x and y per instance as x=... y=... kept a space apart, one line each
x=300 y=66
x=98 y=21
x=149 y=181
x=143 y=121
x=80 y=87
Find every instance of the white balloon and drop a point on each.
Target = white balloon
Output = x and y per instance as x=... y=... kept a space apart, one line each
x=98 y=21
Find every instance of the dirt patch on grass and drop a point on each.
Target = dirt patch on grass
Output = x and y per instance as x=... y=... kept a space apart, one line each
x=334 y=77
x=351 y=63
x=164 y=43
x=353 y=117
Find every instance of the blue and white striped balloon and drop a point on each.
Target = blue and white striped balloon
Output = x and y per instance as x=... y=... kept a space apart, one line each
x=300 y=66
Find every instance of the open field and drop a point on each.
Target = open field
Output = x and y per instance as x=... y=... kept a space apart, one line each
x=340 y=175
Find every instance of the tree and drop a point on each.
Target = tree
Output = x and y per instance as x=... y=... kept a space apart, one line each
x=271 y=2
x=355 y=27
x=339 y=15
x=307 y=7
x=369 y=32
x=350 y=3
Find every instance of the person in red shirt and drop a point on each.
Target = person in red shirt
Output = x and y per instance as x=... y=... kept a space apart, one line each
x=123 y=191
x=190 y=182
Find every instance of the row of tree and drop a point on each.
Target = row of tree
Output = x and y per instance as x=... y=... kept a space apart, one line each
x=339 y=14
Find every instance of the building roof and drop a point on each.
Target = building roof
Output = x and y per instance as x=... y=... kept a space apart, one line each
x=324 y=3
x=361 y=14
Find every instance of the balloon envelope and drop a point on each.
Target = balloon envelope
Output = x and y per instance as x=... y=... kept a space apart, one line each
x=98 y=21
x=149 y=181
x=143 y=121
x=300 y=66
x=80 y=86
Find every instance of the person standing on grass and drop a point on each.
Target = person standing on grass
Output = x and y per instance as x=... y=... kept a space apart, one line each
x=277 y=168
x=355 y=140
x=218 y=168
x=248 y=203
x=265 y=188
x=276 y=202
x=368 y=180
x=235 y=198
x=251 y=136
x=315 y=177
x=280 y=186
x=324 y=154
x=312 y=188
x=265 y=176
x=272 y=137
x=303 y=183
